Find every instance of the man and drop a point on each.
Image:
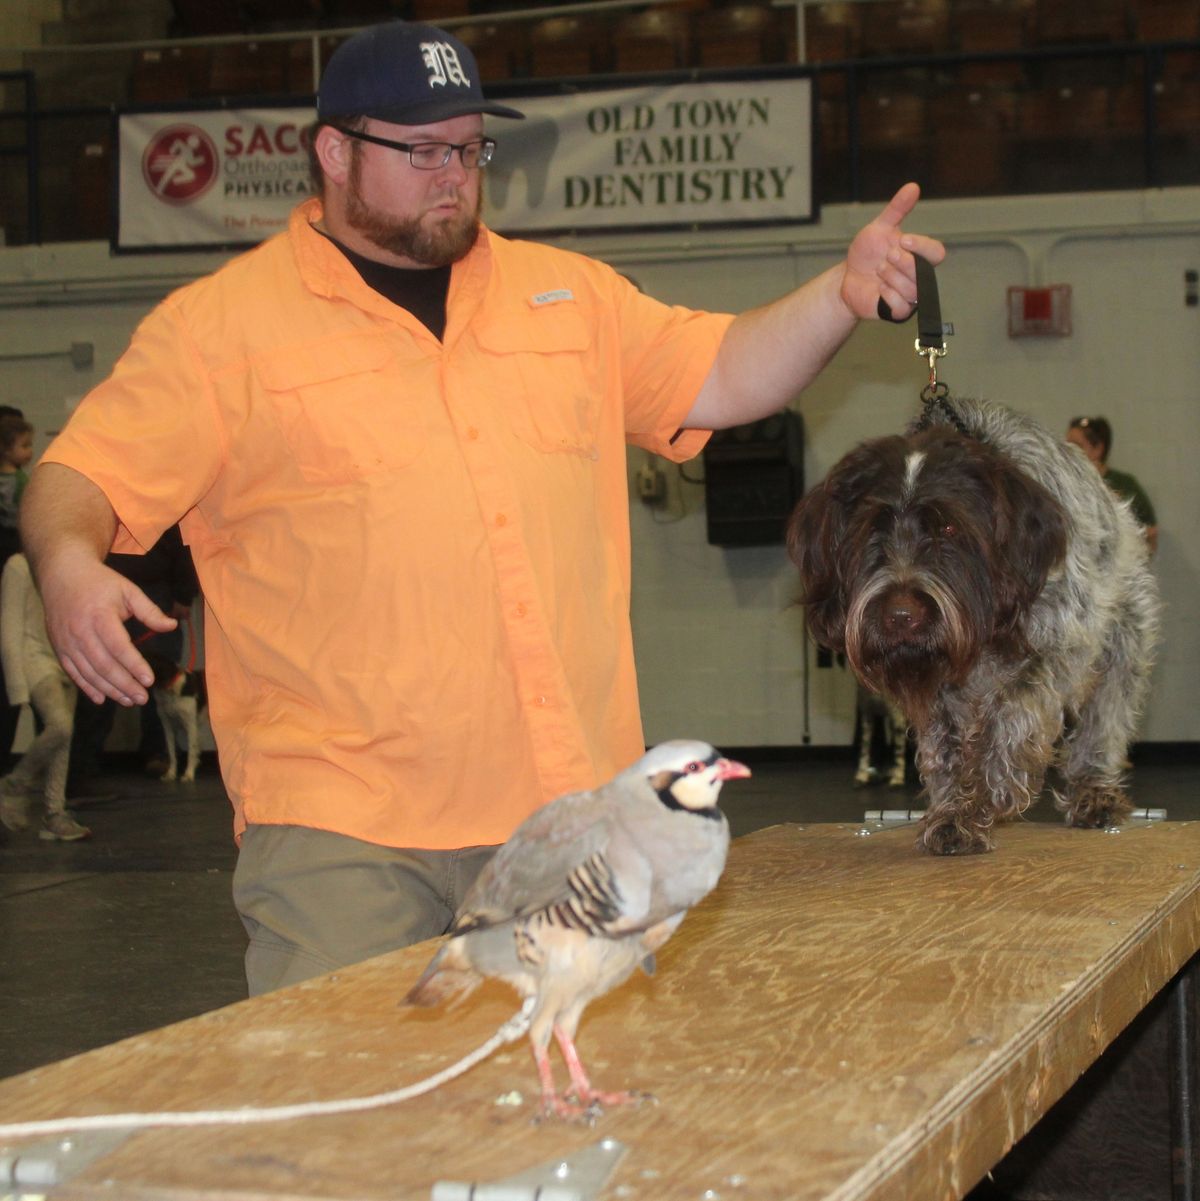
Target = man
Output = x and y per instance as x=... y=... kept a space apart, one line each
x=395 y=444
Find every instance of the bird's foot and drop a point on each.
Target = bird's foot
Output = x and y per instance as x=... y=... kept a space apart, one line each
x=599 y=1101
x=587 y=1107
x=564 y=1109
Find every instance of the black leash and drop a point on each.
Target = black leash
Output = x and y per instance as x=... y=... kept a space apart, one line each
x=931 y=344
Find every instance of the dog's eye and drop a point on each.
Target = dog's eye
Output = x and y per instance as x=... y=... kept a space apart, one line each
x=948 y=529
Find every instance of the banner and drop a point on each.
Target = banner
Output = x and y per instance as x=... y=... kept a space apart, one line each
x=653 y=157
x=650 y=157
x=204 y=179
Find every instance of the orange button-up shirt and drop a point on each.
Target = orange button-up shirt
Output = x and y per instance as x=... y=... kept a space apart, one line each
x=414 y=554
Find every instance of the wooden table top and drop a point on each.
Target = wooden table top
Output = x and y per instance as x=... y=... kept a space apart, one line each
x=843 y=1017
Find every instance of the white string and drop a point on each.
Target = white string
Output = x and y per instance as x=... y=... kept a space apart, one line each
x=513 y=1029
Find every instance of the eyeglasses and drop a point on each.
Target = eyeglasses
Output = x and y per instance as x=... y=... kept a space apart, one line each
x=432 y=156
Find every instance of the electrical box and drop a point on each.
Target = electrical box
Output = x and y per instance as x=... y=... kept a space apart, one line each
x=753 y=478
x=1039 y=311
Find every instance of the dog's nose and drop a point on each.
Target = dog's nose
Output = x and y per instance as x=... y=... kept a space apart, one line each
x=905 y=614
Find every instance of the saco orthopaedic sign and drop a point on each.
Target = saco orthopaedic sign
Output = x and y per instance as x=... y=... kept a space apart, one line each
x=698 y=153
x=209 y=178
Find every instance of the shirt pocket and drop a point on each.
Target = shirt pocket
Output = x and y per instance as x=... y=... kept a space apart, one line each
x=347 y=410
x=541 y=371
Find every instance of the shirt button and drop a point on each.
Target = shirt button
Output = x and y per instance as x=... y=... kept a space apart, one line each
x=501 y=519
x=521 y=610
x=473 y=434
x=541 y=700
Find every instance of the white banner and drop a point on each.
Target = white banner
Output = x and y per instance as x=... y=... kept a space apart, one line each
x=650 y=157
x=696 y=153
x=205 y=179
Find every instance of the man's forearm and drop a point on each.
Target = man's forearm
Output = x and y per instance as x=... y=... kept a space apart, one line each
x=64 y=513
x=770 y=354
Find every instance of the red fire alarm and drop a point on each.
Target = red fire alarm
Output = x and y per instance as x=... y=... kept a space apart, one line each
x=1045 y=311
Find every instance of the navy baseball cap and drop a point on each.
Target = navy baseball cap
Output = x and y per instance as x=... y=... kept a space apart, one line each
x=406 y=73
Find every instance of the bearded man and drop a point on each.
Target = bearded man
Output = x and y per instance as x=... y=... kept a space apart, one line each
x=395 y=443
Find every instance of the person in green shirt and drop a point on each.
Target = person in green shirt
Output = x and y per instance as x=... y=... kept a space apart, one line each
x=1093 y=436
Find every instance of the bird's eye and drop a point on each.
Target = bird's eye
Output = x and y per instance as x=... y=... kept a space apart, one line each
x=694 y=767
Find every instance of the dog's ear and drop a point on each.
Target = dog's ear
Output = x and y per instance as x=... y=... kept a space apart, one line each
x=816 y=541
x=814 y=533
x=1030 y=533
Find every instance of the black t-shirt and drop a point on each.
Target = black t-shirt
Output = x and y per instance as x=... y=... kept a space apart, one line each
x=420 y=290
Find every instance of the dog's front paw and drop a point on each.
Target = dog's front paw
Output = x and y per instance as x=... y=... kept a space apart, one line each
x=168 y=777
x=946 y=836
x=1094 y=807
x=188 y=777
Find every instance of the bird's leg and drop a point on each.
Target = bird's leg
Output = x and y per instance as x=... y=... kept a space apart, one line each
x=554 y=1105
x=584 y=1092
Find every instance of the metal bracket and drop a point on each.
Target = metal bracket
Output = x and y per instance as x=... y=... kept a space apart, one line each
x=579 y=1177
x=38 y=1166
x=893 y=817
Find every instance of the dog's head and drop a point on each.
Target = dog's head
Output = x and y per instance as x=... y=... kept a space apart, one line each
x=917 y=552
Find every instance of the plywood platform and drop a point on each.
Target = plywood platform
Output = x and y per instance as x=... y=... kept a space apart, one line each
x=844 y=1018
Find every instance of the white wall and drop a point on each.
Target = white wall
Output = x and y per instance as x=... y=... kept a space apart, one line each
x=720 y=643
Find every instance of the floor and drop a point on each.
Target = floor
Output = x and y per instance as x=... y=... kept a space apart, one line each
x=134 y=928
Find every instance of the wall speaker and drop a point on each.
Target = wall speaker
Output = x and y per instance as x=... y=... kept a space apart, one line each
x=753 y=477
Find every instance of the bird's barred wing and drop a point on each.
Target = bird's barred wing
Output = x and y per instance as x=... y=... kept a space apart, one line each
x=594 y=880
x=600 y=902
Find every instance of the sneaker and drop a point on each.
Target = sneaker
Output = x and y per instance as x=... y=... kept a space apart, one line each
x=13 y=812
x=62 y=827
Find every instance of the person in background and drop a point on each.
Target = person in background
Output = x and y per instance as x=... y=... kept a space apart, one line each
x=16 y=451
x=396 y=445
x=1093 y=436
x=34 y=676
x=167 y=575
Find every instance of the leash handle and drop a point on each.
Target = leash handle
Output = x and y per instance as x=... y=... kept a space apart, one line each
x=930 y=344
x=931 y=332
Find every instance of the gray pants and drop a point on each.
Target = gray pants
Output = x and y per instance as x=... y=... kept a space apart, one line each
x=312 y=901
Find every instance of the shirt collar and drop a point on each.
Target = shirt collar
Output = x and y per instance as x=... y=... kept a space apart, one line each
x=327 y=272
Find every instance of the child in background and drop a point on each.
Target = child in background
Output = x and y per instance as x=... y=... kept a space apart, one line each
x=16 y=450
x=33 y=676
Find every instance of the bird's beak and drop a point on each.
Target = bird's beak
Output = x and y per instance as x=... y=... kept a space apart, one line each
x=731 y=769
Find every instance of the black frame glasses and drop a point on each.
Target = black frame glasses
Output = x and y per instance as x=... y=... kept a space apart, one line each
x=472 y=155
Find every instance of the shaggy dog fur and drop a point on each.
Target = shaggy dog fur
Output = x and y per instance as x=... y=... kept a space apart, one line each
x=992 y=586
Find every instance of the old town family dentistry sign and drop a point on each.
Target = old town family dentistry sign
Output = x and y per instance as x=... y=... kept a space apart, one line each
x=693 y=154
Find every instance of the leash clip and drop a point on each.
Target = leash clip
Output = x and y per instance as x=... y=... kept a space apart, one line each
x=932 y=353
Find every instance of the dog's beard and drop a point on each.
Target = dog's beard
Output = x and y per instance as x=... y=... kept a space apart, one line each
x=909 y=661
x=443 y=244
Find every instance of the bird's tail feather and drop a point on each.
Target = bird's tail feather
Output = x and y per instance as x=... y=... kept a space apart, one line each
x=448 y=978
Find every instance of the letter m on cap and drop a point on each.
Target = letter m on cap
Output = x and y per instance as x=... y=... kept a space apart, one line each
x=441 y=60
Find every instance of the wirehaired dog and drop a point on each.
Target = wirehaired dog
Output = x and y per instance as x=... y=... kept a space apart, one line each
x=986 y=580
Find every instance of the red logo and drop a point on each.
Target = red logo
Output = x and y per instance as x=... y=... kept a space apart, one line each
x=180 y=164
